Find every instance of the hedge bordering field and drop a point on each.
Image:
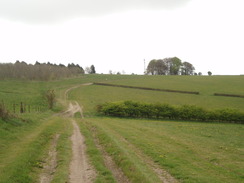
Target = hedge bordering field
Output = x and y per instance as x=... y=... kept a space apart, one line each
x=145 y=88
x=166 y=111
x=228 y=95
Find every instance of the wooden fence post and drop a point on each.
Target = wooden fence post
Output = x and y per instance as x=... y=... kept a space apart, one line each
x=21 y=108
x=14 y=107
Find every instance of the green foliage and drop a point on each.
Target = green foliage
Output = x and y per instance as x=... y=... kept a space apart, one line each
x=175 y=64
x=169 y=66
x=187 y=69
x=166 y=111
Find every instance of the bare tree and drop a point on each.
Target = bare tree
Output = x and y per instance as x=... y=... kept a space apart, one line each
x=22 y=70
x=50 y=98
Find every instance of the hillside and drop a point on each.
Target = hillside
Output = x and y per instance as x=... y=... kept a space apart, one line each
x=120 y=149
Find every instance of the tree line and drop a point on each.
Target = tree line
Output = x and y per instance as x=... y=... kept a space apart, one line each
x=169 y=66
x=38 y=71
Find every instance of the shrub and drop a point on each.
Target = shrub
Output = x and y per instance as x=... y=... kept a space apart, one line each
x=50 y=98
x=166 y=111
x=229 y=115
x=4 y=114
x=132 y=109
x=188 y=112
x=114 y=109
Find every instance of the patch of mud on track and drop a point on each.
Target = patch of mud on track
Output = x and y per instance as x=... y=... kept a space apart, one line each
x=51 y=162
x=73 y=108
x=80 y=168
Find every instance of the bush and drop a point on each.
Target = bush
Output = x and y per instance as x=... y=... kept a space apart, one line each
x=229 y=115
x=50 y=98
x=4 y=114
x=166 y=111
x=113 y=109
x=188 y=112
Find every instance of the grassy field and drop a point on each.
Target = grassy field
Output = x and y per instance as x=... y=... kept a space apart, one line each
x=189 y=151
x=192 y=152
x=204 y=84
x=24 y=146
x=92 y=95
x=25 y=140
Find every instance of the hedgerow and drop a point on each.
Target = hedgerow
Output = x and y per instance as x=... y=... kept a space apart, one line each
x=146 y=88
x=165 y=111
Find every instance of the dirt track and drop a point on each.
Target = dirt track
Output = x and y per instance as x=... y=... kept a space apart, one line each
x=51 y=162
x=73 y=108
x=80 y=169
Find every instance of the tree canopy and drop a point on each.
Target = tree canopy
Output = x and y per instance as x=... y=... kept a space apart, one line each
x=170 y=66
x=93 y=71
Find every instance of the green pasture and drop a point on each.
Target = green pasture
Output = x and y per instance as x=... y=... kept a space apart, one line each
x=24 y=147
x=31 y=92
x=190 y=151
x=91 y=96
x=206 y=85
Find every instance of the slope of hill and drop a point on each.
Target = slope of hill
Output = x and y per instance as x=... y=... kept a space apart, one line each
x=139 y=149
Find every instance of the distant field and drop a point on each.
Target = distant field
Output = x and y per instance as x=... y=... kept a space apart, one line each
x=31 y=91
x=90 y=96
x=206 y=85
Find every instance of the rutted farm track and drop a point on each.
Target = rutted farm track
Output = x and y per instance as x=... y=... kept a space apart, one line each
x=81 y=170
x=67 y=134
x=80 y=145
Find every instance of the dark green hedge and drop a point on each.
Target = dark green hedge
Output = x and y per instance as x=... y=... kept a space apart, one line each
x=228 y=95
x=166 y=111
x=146 y=88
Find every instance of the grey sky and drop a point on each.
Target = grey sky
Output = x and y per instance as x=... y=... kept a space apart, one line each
x=42 y=11
x=118 y=35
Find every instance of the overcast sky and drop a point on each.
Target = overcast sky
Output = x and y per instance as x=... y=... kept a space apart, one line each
x=118 y=35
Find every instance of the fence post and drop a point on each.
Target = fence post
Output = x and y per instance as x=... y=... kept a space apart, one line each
x=14 y=107
x=21 y=108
